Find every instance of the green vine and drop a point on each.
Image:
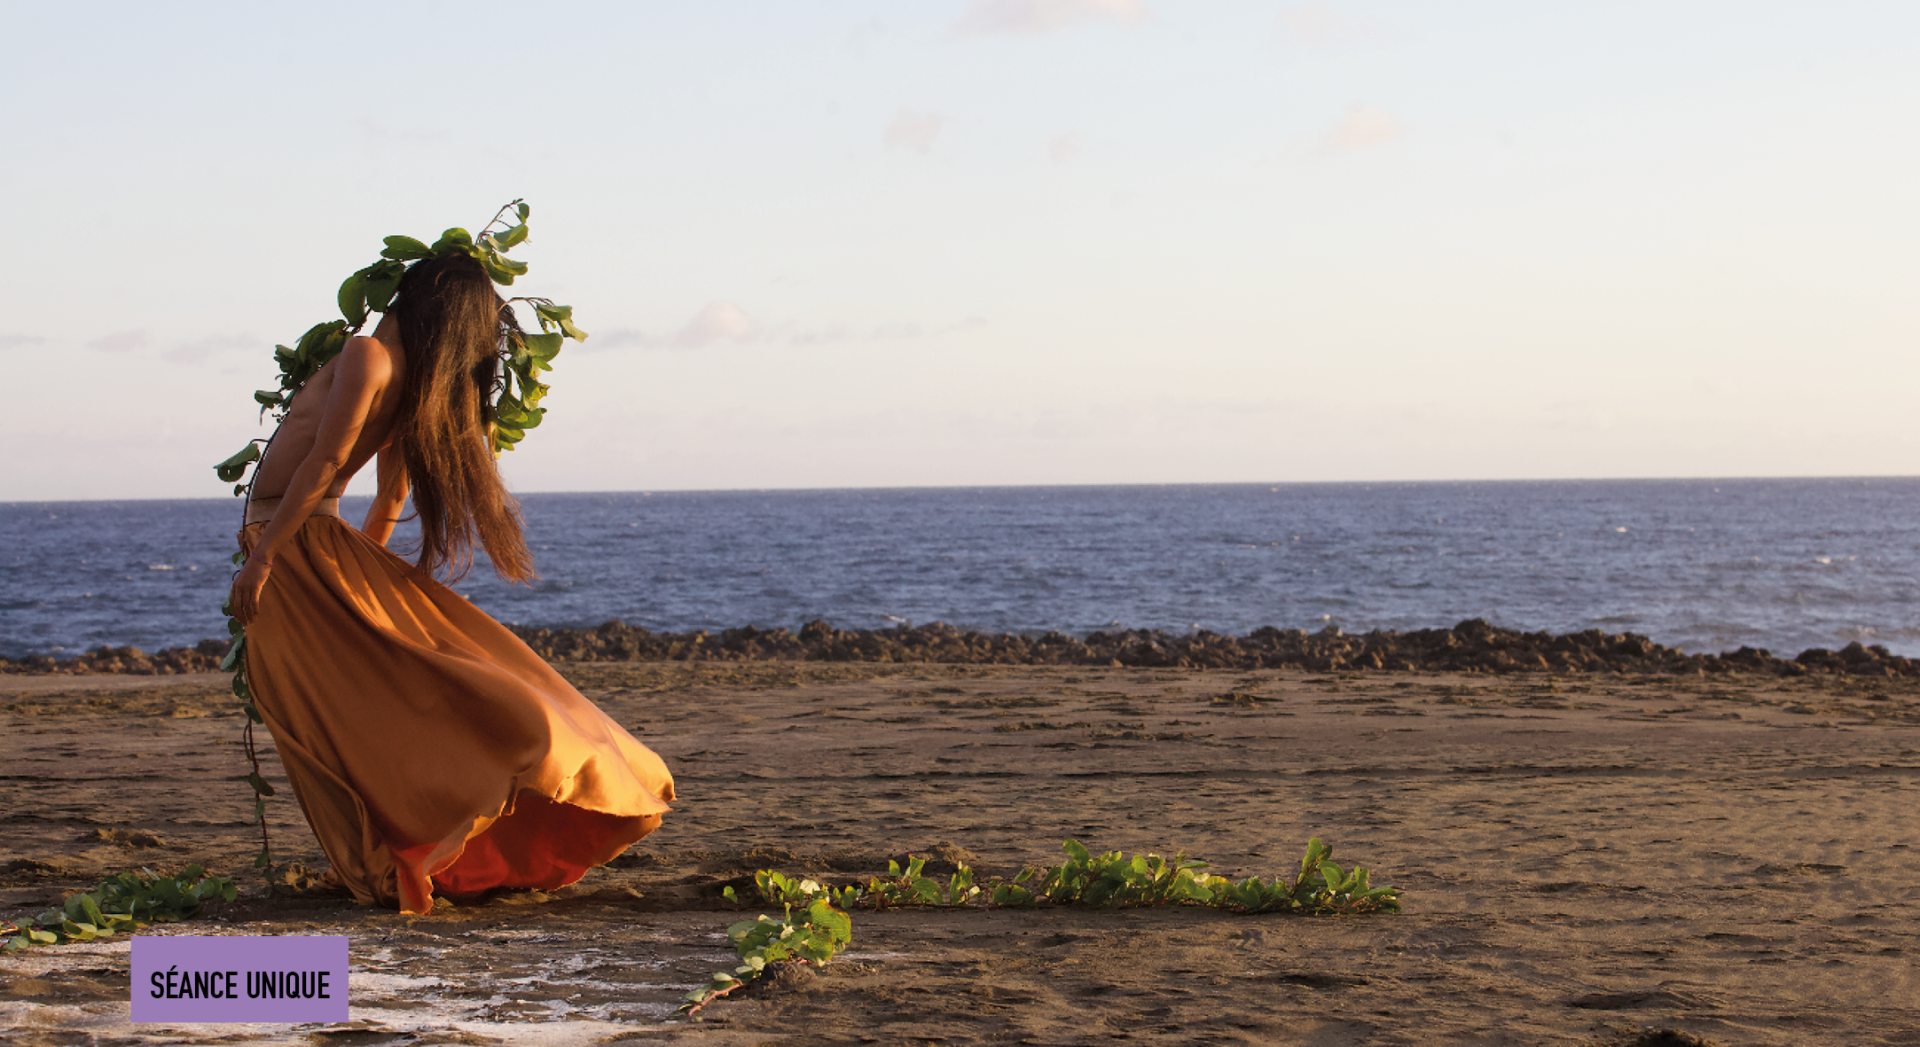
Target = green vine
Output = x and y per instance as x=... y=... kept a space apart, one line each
x=516 y=407
x=819 y=928
x=126 y=902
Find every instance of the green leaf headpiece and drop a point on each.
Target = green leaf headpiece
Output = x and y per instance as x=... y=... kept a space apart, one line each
x=371 y=290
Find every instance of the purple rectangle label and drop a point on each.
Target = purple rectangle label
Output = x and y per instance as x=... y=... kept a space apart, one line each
x=240 y=978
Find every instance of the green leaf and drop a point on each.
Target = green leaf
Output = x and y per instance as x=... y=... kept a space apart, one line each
x=381 y=288
x=330 y=346
x=268 y=398
x=1077 y=851
x=555 y=313
x=498 y=270
x=513 y=414
x=315 y=336
x=510 y=238
x=455 y=237
x=499 y=266
x=405 y=248
x=235 y=467
x=260 y=815
x=353 y=298
x=504 y=438
x=524 y=212
x=234 y=654
x=260 y=785
x=567 y=328
x=543 y=348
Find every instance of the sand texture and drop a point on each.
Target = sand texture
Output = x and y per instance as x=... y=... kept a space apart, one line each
x=1583 y=859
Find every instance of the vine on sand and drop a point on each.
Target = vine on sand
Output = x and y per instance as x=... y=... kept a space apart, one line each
x=815 y=925
x=125 y=902
x=516 y=404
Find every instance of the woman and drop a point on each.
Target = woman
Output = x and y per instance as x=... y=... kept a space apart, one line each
x=427 y=745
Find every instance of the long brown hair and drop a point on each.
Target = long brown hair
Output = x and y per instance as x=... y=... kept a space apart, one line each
x=453 y=325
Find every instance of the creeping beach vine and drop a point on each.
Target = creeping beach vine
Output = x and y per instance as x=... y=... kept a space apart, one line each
x=125 y=902
x=515 y=408
x=815 y=926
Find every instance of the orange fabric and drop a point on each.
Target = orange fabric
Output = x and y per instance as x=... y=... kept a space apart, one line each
x=426 y=744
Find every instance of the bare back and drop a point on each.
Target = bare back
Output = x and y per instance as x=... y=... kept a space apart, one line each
x=324 y=413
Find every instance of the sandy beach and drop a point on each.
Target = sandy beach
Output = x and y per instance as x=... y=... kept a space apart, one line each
x=1584 y=858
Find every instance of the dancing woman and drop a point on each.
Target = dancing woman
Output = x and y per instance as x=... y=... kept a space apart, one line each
x=429 y=748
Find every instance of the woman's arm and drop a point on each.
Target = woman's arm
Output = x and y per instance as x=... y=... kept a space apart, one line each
x=364 y=370
x=391 y=498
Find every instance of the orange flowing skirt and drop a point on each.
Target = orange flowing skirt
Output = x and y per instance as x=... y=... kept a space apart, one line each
x=428 y=746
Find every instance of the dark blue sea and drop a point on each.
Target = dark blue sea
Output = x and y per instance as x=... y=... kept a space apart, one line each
x=1705 y=565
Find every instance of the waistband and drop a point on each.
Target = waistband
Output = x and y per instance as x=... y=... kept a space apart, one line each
x=260 y=510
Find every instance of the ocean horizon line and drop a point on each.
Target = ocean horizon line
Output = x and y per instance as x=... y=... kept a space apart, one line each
x=1140 y=485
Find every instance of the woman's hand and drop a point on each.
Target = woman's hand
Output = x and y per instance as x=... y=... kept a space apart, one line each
x=244 y=601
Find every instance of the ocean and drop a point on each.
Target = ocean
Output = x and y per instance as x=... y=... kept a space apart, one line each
x=1704 y=565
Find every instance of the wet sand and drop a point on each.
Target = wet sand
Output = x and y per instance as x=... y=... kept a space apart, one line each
x=1583 y=858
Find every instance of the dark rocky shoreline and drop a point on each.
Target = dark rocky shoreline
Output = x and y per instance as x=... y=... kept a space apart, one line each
x=1473 y=646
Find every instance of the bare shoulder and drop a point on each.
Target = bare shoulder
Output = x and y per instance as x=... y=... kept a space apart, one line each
x=369 y=360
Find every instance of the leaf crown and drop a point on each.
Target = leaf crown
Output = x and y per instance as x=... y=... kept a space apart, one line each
x=525 y=357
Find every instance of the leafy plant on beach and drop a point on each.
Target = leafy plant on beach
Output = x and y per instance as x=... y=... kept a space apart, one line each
x=910 y=886
x=1110 y=880
x=812 y=935
x=125 y=902
x=516 y=406
x=777 y=888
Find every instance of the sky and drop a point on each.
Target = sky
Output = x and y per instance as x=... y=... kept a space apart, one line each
x=973 y=242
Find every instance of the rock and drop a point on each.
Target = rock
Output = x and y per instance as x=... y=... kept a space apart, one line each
x=1474 y=645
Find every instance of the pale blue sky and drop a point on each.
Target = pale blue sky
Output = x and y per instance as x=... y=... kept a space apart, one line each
x=1012 y=241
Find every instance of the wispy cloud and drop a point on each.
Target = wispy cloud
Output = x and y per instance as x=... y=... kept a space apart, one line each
x=1064 y=147
x=1034 y=17
x=717 y=322
x=119 y=342
x=915 y=130
x=832 y=334
x=11 y=341
x=617 y=338
x=1363 y=128
x=197 y=350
